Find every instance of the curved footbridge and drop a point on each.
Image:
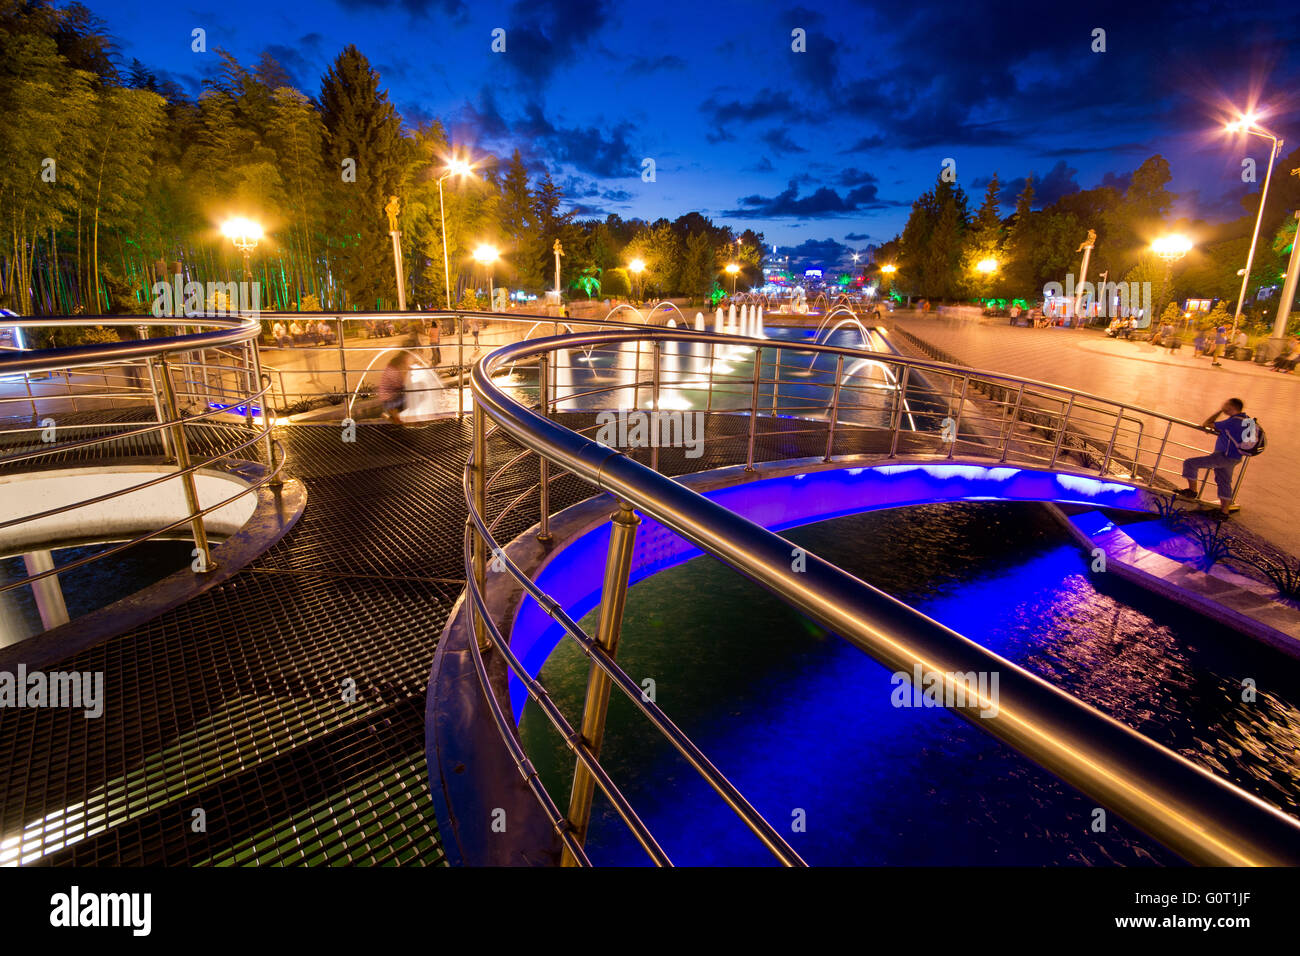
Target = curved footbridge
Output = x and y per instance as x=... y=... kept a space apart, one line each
x=288 y=696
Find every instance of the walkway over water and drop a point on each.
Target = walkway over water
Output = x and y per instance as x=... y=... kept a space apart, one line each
x=287 y=703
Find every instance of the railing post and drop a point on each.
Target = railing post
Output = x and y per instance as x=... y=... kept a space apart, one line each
x=835 y=407
x=460 y=366
x=753 y=408
x=1061 y=430
x=898 y=410
x=1110 y=446
x=544 y=470
x=613 y=600
x=1155 y=469
x=183 y=463
x=32 y=398
x=1011 y=426
x=708 y=398
x=776 y=379
x=956 y=421
x=1241 y=476
x=266 y=411
x=343 y=359
x=158 y=408
x=636 y=378
x=654 y=405
x=479 y=475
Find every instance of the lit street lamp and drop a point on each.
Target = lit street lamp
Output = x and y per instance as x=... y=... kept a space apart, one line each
x=733 y=270
x=245 y=234
x=636 y=267
x=1169 y=248
x=984 y=266
x=457 y=167
x=1248 y=123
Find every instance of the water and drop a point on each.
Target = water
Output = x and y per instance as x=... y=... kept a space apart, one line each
x=801 y=722
x=93 y=585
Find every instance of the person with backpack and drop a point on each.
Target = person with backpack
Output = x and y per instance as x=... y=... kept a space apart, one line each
x=1238 y=436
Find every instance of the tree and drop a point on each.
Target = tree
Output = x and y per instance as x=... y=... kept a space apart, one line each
x=698 y=267
x=931 y=244
x=984 y=241
x=363 y=133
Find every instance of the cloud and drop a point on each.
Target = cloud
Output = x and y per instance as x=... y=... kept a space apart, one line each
x=856 y=236
x=544 y=35
x=1048 y=188
x=416 y=8
x=780 y=141
x=822 y=203
x=765 y=105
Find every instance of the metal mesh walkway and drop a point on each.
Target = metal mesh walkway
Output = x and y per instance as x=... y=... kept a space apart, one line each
x=287 y=704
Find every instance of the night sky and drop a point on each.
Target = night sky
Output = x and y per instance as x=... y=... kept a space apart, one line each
x=818 y=150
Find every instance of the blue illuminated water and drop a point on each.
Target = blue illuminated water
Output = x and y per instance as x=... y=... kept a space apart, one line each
x=803 y=723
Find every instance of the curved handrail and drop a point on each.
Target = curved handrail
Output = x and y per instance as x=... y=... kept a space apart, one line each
x=1198 y=815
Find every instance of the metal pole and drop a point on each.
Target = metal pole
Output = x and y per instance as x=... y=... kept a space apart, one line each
x=776 y=379
x=835 y=406
x=898 y=411
x=479 y=475
x=1061 y=429
x=1110 y=446
x=158 y=409
x=753 y=408
x=956 y=421
x=183 y=463
x=708 y=398
x=544 y=476
x=1288 y=288
x=636 y=378
x=1011 y=425
x=343 y=359
x=460 y=363
x=613 y=600
x=446 y=269
x=32 y=398
x=654 y=405
x=1254 y=237
x=1155 y=469
x=266 y=411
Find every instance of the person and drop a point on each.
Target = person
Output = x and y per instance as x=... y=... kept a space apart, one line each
x=278 y=333
x=1199 y=343
x=474 y=325
x=392 y=387
x=1220 y=344
x=1286 y=360
x=325 y=333
x=295 y=332
x=1225 y=457
x=435 y=343
x=1241 y=345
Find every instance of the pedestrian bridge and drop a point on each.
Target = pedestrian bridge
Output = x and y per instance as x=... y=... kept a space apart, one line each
x=229 y=696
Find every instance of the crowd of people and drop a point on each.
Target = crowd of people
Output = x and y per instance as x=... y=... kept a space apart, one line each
x=303 y=333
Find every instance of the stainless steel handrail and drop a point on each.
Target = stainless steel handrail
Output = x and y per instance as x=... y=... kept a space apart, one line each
x=1198 y=815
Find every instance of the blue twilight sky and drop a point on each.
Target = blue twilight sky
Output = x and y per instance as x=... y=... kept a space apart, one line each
x=819 y=150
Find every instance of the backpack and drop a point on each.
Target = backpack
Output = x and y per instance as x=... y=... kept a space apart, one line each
x=1253 y=448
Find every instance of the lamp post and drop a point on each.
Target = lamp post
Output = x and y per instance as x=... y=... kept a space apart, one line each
x=636 y=267
x=1086 y=248
x=393 y=208
x=733 y=270
x=559 y=251
x=457 y=167
x=1170 y=249
x=1248 y=123
x=487 y=255
x=244 y=233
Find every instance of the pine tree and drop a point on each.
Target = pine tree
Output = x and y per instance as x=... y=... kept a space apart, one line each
x=361 y=126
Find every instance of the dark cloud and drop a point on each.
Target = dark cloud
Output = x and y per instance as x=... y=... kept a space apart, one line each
x=416 y=8
x=856 y=236
x=1048 y=188
x=544 y=35
x=817 y=254
x=822 y=203
x=779 y=140
x=765 y=105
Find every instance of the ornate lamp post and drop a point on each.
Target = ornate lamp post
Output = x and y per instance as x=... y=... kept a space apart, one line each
x=245 y=234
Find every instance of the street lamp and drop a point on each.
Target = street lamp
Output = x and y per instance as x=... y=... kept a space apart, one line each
x=733 y=270
x=1248 y=123
x=459 y=168
x=889 y=270
x=636 y=267
x=244 y=233
x=984 y=266
x=487 y=255
x=1169 y=248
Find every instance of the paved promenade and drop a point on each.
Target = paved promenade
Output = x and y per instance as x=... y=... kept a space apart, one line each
x=1145 y=375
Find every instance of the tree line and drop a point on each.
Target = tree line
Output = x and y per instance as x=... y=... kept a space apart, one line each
x=943 y=242
x=114 y=179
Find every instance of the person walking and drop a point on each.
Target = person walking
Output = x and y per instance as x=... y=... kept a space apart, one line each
x=392 y=387
x=1226 y=456
x=1220 y=344
x=435 y=342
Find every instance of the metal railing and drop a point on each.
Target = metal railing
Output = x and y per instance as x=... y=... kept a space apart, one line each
x=915 y=410
x=201 y=394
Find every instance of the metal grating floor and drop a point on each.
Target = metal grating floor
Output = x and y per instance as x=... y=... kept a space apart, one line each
x=234 y=703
